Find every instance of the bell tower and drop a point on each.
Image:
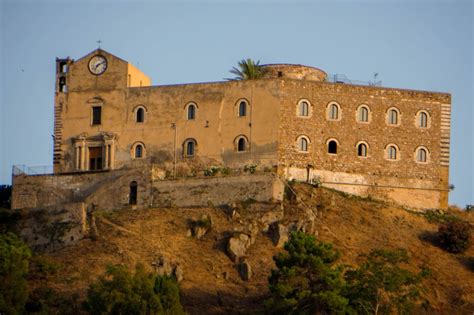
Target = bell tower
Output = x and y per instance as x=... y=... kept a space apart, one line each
x=60 y=99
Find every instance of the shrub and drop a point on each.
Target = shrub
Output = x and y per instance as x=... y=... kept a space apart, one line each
x=379 y=285
x=120 y=292
x=211 y=171
x=14 y=258
x=455 y=236
x=226 y=171
x=8 y=220
x=251 y=168
x=5 y=196
x=440 y=216
x=306 y=280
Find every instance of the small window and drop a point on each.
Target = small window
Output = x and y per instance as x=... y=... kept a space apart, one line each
x=303 y=144
x=96 y=115
x=363 y=114
x=132 y=197
x=422 y=119
x=140 y=115
x=242 y=109
x=393 y=117
x=139 y=151
x=362 y=150
x=332 y=147
x=333 y=111
x=392 y=152
x=191 y=112
x=304 y=109
x=421 y=155
x=189 y=148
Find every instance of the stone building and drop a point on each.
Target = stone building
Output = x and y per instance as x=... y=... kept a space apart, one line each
x=366 y=140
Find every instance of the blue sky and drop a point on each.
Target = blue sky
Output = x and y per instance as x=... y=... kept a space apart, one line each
x=425 y=45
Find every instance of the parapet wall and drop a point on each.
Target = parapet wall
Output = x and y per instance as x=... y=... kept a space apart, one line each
x=217 y=191
x=411 y=192
x=110 y=190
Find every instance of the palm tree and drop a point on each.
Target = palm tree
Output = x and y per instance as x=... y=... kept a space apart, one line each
x=248 y=70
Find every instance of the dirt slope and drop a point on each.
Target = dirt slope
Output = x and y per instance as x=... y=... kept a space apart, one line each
x=211 y=282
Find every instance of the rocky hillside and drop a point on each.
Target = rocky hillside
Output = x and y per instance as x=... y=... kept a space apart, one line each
x=212 y=278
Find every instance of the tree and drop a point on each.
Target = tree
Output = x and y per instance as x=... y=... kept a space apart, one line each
x=455 y=236
x=306 y=280
x=5 y=196
x=120 y=292
x=248 y=70
x=379 y=285
x=14 y=259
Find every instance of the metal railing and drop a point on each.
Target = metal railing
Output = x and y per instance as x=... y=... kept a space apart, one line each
x=342 y=78
x=32 y=170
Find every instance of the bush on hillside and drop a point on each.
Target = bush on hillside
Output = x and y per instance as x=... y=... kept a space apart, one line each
x=14 y=259
x=121 y=292
x=455 y=236
x=306 y=280
x=380 y=285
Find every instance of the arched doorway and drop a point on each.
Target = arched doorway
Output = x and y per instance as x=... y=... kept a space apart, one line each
x=132 y=199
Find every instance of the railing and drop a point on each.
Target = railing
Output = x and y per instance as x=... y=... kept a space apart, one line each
x=32 y=170
x=341 y=78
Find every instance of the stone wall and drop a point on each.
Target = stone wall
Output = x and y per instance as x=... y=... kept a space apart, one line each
x=53 y=226
x=108 y=190
x=428 y=180
x=217 y=191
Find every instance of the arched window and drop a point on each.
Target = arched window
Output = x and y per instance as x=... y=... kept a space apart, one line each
x=362 y=150
x=242 y=108
x=140 y=115
x=393 y=117
x=138 y=151
x=392 y=152
x=304 y=109
x=191 y=112
x=333 y=111
x=422 y=119
x=332 y=147
x=241 y=143
x=189 y=148
x=363 y=114
x=303 y=143
x=421 y=155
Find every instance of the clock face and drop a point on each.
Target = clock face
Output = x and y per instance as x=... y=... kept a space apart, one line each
x=97 y=64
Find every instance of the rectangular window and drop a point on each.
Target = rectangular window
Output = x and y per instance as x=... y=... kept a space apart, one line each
x=96 y=115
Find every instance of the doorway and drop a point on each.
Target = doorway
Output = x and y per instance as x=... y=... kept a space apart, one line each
x=95 y=158
x=132 y=199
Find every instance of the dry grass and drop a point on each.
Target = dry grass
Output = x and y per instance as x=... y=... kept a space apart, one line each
x=353 y=225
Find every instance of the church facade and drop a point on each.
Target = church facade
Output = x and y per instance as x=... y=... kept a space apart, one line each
x=366 y=140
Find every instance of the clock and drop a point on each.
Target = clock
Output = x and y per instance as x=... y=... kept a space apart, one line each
x=97 y=64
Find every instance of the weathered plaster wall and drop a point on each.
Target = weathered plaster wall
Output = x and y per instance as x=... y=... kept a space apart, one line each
x=217 y=191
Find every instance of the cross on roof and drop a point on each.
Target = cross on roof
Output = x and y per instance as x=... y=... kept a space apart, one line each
x=99 y=42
